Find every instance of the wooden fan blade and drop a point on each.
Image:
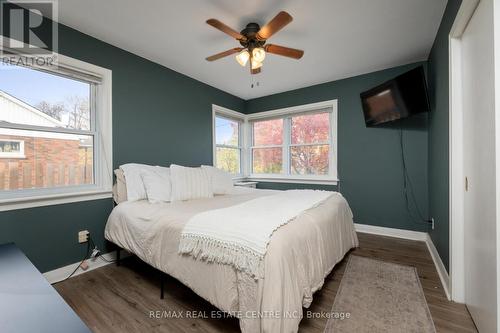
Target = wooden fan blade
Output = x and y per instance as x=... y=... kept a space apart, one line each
x=284 y=51
x=225 y=29
x=275 y=25
x=255 y=71
x=225 y=54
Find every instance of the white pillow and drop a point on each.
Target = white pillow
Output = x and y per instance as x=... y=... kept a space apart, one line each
x=120 y=188
x=157 y=184
x=190 y=183
x=135 y=186
x=222 y=181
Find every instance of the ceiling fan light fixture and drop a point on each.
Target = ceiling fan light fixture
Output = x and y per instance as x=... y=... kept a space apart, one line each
x=256 y=64
x=259 y=54
x=243 y=57
x=253 y=40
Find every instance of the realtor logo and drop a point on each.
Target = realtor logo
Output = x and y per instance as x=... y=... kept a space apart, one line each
x=29 y=31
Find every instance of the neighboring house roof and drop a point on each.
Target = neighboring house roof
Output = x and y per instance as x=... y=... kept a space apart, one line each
x=13 y=110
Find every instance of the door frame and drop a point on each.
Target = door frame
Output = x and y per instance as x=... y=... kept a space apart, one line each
x=456 y=153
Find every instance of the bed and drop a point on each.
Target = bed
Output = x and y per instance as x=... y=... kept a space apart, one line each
x=299 y=256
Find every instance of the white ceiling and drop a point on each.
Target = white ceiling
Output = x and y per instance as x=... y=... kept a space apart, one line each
x=341 y=38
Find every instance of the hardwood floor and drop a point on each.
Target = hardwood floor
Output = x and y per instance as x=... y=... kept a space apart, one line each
x=119 y=299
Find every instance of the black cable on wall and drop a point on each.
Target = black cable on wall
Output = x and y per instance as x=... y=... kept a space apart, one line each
x=408 y=191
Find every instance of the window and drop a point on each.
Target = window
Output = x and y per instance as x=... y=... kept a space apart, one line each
x=267 y=146
x=310 y=144
x=55 y=132
x=293 y=146
x=11 y=148
x=228 y=141
x=31 y=98
x=297 y=145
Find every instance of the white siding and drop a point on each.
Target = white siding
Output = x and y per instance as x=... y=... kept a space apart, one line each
x=13 y=110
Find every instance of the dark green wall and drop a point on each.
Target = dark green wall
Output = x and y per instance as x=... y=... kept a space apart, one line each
x=370 y=168
x=159 y=117
x=438 y=69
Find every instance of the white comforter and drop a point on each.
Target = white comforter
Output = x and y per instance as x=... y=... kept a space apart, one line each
x=299 y=256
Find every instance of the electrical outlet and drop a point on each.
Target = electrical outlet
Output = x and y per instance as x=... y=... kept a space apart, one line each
x=432 y=221
x=83 y=236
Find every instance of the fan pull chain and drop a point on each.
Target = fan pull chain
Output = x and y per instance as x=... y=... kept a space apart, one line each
x=254 y=84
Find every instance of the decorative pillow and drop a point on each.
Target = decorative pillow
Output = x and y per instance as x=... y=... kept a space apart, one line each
x=222 y=181
x=157 y=184
x=120 y=188
x=133 y=179
x=190 y=183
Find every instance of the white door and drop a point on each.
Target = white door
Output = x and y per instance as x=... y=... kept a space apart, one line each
x=478 y=82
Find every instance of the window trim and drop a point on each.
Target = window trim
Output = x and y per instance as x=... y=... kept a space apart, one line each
x=247 y=132
x=13 y=155
x=101 y=130
x=235 y=116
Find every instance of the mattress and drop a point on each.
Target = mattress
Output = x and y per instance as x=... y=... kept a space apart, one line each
x=299 y=256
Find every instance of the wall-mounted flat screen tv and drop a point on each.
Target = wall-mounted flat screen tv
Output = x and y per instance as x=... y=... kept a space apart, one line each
x=395 y=99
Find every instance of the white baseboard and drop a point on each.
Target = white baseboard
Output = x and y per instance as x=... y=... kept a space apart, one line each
x=441 y=269
x=59 y=274
x=391 y=232
x=412 y=235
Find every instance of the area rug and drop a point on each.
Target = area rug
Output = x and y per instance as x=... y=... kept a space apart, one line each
x=378 y=296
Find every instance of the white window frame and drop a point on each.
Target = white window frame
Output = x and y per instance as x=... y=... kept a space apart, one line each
x=101 y=123
x=246 y=133
x=252 y=147
x=219 y=111
x=286 y=114
x=19 y=154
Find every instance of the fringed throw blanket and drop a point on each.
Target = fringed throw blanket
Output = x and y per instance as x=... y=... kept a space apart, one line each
x=239 y=235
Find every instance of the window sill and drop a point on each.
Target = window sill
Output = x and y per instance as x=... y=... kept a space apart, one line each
x=13 y=156
x=238 y=178
x=53 y=199
x=292 y=180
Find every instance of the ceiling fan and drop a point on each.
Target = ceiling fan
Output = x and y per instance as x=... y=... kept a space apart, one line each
x=253 y=41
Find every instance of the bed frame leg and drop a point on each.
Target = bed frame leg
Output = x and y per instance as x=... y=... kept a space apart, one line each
x=162 y=282
x=118 y=257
